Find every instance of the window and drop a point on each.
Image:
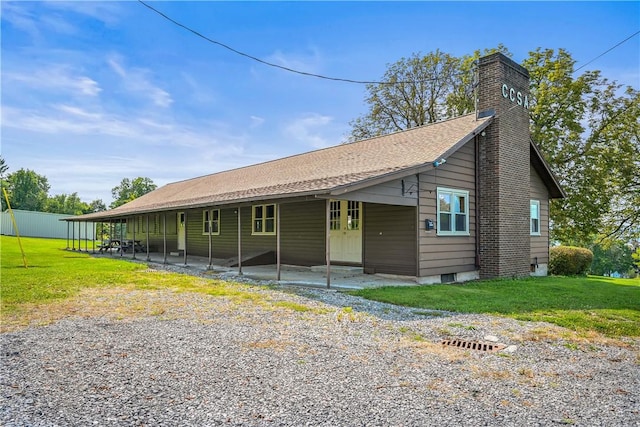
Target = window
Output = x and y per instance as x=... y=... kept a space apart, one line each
x=211 y=221
x=453 y=212
x=535 y=217
x=264 y=219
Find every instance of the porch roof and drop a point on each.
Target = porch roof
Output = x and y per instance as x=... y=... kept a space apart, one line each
x=313 y=173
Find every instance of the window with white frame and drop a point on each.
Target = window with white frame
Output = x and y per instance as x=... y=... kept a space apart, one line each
x=264 y=219
x=535 y=217
x=211 y=221
x=453 y=212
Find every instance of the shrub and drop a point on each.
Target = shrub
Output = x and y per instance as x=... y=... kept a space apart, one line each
x=569 y=260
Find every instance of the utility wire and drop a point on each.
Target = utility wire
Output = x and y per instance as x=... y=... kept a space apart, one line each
x=608 y=50
x=270 y=64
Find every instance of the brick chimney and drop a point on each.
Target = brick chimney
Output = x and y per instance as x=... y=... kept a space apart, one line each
x=503 y=163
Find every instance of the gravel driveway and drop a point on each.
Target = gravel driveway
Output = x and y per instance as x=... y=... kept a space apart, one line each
x=296 y=356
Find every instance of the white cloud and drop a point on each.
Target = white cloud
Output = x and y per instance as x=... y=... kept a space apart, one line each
x=137 y=80
x=55 y=78
x=256 y=121
x=308 y=130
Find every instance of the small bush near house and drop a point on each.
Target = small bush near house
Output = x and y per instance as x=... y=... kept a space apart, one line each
x=569 y=261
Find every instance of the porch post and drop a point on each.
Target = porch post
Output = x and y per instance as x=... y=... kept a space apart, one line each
x=135 y=223
x=164 y=237
x=94 y=229
x=239 y=244
x=67 y=235
x=121 y=238
x=86 y=238
x=147 y=245
x=112 y=232
x=328 y=241
x=185 y=238
x=278 y=242
x=210 y=248
x=79 y=236
x=73 y=236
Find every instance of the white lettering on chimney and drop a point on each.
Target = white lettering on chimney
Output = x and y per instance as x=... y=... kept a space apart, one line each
x=515 y=96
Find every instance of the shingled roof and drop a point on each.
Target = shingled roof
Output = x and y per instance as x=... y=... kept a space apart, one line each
x=319 y=172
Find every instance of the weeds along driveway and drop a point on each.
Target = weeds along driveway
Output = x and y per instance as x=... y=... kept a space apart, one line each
x=273 y=357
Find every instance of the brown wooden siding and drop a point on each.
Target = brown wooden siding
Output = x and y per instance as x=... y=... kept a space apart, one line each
x=447 y=254
x=389 y=239
x=540 y=244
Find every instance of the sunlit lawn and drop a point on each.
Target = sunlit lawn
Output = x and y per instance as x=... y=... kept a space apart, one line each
x=54 y=273
x=606 y=305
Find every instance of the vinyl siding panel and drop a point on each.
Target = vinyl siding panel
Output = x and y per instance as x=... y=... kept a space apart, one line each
x=302 y=234
x=389 y=239
x=447 y=254
x=390 y=193
x=540 y=244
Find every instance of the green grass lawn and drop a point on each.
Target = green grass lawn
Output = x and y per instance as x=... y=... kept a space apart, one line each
x=606 y=305
x=54 y=274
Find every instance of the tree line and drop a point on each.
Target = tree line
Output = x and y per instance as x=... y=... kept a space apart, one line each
x=28 y=190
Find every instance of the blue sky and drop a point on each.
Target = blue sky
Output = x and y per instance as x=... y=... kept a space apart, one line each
x=93 y=92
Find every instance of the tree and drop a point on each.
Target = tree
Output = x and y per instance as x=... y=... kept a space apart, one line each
x=97 y=206
x=419 y=90
x=615 y=257
x=27 y=190
x=588 y=132
x=3 y=167
x=129 y=190
x=66 y=204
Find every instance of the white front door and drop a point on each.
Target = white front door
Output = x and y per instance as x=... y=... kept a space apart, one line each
x=345 y=219
x=181 y=231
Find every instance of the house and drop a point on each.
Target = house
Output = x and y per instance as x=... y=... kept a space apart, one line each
x=460 y=199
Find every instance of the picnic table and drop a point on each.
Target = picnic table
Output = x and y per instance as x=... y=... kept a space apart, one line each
x=121 y=245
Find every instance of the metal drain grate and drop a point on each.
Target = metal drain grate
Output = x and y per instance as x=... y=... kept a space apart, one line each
x=473 y=345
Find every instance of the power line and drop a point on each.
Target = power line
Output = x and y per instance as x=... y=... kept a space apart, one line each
x=270 y=64
x=608 y=50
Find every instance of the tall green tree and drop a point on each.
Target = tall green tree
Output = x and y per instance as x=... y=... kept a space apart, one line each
x=66 y=204
x=588 y=128
x=97 y=206
x=419 y=90
x=131 y=189
x=27 y=190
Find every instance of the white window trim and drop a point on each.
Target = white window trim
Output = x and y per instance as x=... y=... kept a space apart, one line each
x=534 y=233
x=264 y=210
x=204 y=219
x=453 y=191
